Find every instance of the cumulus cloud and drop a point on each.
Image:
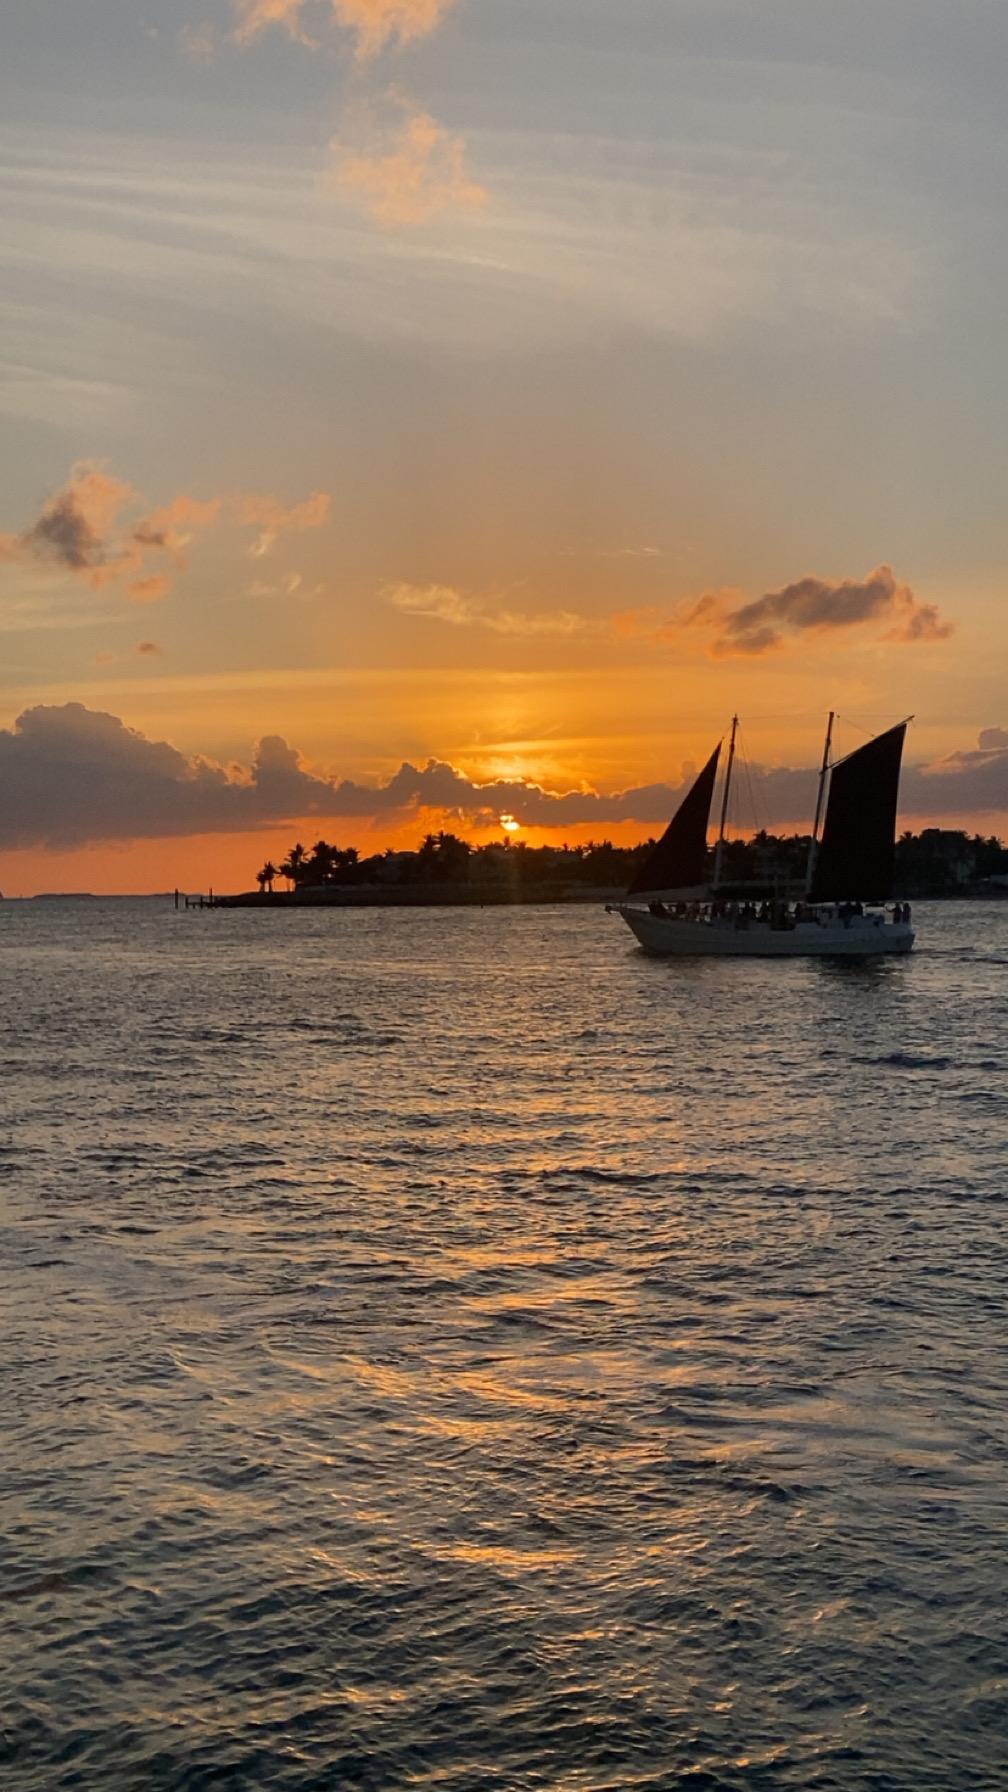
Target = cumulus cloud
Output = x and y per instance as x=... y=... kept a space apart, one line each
x=86 y=530
x=809 y=606
x=813 y=604
x=374 y=22
x=70 y=775
x=73 y=525
x=409 y=174
x=991 y=750
x=444 y=604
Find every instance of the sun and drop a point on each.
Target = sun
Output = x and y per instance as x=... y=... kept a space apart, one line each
x=509 y=824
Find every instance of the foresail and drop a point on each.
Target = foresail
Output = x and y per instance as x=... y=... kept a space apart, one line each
x=679 y=861
x=856 y=858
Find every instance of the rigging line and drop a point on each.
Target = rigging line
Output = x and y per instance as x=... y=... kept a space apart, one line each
x=854 y=723
x=750 y=787
x=861 y=730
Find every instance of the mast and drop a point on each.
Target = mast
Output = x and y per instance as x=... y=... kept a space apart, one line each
x=813 y=843
x=719 y=849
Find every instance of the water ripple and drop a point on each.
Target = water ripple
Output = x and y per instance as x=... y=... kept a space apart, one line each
x=490 y=1359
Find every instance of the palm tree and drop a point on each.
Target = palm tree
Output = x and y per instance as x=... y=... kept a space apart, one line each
x=323 y=861
x=443 y=856
x=264 y=878
x=293 y=866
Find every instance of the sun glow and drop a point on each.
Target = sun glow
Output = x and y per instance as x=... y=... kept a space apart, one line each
x=509 y=824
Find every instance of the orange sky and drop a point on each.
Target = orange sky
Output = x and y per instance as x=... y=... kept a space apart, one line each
x=411 y=381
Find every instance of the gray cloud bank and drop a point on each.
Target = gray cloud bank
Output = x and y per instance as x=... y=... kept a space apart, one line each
x=70 y=776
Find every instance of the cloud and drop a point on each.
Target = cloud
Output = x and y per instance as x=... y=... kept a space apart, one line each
x=991 y=749
x=198 y=43
x=173 y=526
x=409 y=176
x=150 y=590
x=809 y=606
x=444 y=604
x=273 y=519
x=255 y=16
x=82 y=529
x=74 y=524
x=147 y=647
x=70 y=775
x=375 y=22
x=289 y=585
x=813 y=604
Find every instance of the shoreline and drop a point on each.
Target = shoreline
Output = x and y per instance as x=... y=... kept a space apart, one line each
x=440 y=896
x=415 y=896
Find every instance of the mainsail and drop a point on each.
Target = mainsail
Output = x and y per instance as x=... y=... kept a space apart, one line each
x=855 y=860
x=679 y=860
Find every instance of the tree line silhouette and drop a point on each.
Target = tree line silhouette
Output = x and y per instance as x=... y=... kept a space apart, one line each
x=937 y=861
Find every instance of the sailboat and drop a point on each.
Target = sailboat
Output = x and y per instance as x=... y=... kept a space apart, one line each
x=675 y=911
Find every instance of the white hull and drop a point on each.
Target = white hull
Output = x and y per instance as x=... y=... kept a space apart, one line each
x=862 y=936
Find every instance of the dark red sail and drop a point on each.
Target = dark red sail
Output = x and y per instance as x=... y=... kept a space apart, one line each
x=857 y=854
x=679 y=861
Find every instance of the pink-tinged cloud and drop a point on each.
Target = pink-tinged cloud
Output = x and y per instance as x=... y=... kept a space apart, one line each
x=83 y=530
x=418 y=174
x=74 y=526
x=255 y=16
x=150 y=590
x=273 y=519
x=374 y=22
x=810 y=606
x=70 y=775
x=173 y=525
x=442 y=603
x=816 y=605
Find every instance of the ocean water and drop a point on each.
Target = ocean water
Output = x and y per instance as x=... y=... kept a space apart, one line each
x=449 y=1350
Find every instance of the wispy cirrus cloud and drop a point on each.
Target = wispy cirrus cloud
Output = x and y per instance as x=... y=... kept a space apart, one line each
x=71 y=775
x=444 y=604
x=375 y=23
x=405 y=174
x=95 y=529
x=272 y=519
x=198 y=43
x=808 y=606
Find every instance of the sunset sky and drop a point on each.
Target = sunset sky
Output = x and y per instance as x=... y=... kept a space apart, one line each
x=414 y=411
